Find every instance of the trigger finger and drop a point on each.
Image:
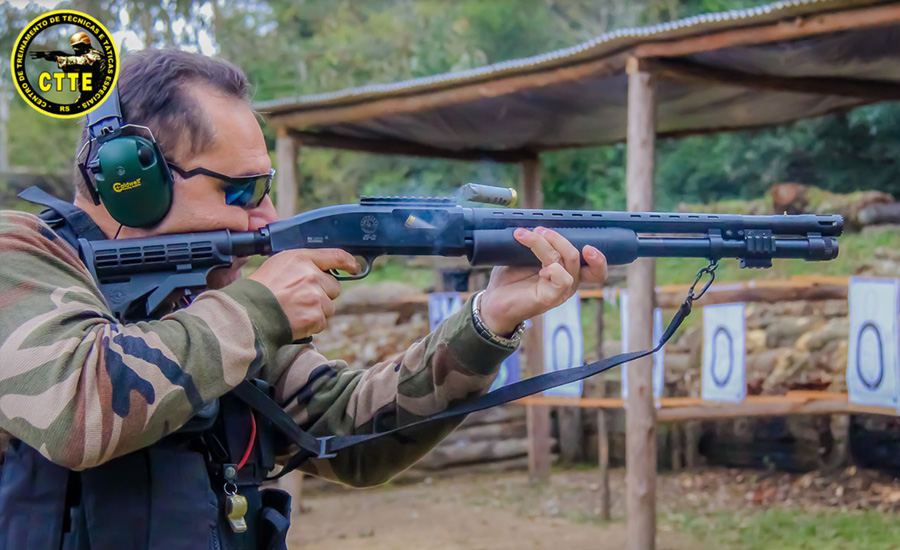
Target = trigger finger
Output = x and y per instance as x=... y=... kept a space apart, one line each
x=330 y=285
x=328 y=307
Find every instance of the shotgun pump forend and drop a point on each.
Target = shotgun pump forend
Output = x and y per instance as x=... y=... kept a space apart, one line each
x=138 y=275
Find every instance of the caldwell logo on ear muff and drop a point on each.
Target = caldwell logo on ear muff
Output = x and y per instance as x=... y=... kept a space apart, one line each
x=65 y=63
x=118 y=187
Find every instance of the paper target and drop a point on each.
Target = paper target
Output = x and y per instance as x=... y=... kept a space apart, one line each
x=444 y=304
x=658 y=357
x=870 y=356
x=722 y=366
x=564 y=343
x=723 y=353
x=872 y=362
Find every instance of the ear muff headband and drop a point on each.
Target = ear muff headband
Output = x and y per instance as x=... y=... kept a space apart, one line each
x=127 y=173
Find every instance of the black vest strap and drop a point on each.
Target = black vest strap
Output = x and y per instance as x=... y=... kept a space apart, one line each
x=77 y=219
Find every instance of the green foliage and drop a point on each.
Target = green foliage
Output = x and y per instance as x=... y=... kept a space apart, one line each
x=290 y=48
x=792 y=529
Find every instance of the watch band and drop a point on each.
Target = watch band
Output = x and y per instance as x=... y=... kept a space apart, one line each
x=511 y=342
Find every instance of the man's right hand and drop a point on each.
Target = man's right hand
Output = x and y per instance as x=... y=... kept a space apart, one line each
x=301 y=284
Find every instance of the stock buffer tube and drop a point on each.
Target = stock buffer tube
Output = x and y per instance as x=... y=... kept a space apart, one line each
x=755 y=248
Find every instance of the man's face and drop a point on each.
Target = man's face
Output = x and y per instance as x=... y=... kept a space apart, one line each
x=238 y=149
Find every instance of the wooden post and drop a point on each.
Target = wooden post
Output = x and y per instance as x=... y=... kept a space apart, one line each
x=538 y=417
x=286 y=179
x=603 y=453
x=691 y=444
x=676 y=433
x=640 y=428
x=599 y=326
x=571 y=436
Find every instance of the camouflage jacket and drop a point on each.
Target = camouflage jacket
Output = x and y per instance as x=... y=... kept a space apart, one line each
x=82 y=388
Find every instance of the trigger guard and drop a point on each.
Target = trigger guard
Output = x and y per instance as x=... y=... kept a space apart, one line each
x=368 y=269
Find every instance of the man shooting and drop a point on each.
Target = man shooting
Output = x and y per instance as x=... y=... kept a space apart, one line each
x=86 y=60
x=126 y=435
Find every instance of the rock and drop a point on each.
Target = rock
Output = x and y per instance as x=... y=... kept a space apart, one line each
x=847 y=205
x=835 y=308
x=677 y=363
x=787 y=365
x=755 y=340
x=377 y=293
x=504 y=413
x=762 y=363
x=459 y=453
x=833 y=331
x=690 y=339
x=784 y=331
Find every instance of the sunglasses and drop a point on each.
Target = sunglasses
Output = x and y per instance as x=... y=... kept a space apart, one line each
x=244 y=191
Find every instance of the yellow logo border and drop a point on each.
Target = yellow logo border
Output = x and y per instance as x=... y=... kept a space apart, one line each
x=16 y=67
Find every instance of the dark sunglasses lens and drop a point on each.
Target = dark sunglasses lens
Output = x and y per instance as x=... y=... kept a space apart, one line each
x=248 y=193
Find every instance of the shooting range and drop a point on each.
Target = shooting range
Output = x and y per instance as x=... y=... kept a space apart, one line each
x=731 y=71
x=770 y=418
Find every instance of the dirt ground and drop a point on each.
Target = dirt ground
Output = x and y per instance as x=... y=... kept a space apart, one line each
x=472 y=513
x=506 y=512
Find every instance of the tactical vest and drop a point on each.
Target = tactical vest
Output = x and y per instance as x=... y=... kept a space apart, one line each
x=169 y=496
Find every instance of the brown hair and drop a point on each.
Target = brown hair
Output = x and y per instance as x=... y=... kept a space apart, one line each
x=152 y=93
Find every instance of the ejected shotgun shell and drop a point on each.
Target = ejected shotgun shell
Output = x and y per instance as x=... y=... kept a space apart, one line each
x=486 y=194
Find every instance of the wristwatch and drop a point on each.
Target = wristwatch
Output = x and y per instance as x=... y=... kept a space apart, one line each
x=511 y=341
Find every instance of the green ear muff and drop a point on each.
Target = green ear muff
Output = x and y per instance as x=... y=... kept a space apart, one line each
x=128 y=173
x=133 y=181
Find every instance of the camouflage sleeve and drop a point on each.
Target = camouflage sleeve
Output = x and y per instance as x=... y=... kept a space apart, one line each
x=82 y=388
x=87 y=59
x=451 y=364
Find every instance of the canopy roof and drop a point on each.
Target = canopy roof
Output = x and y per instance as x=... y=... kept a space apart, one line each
x=717 y=72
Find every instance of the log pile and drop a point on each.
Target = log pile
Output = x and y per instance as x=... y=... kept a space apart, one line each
x=491 y=441
x=859 y=208
x=790 y=345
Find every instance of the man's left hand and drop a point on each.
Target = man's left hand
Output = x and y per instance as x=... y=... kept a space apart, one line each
x=515 y=294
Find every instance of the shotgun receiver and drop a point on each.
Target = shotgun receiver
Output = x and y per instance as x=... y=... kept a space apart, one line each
x=137 y=275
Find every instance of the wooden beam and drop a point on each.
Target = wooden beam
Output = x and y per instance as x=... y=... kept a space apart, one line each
x=667 y=296
x=679 y=69
x=673 y=409
x=285 y=177
x=797 y=27
x=759 y=294
x=640 y=418
x=413 y=100
x=603 y=453
x=532 y=190
x=404 y=148
x=538 y=418
x=420 y=100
